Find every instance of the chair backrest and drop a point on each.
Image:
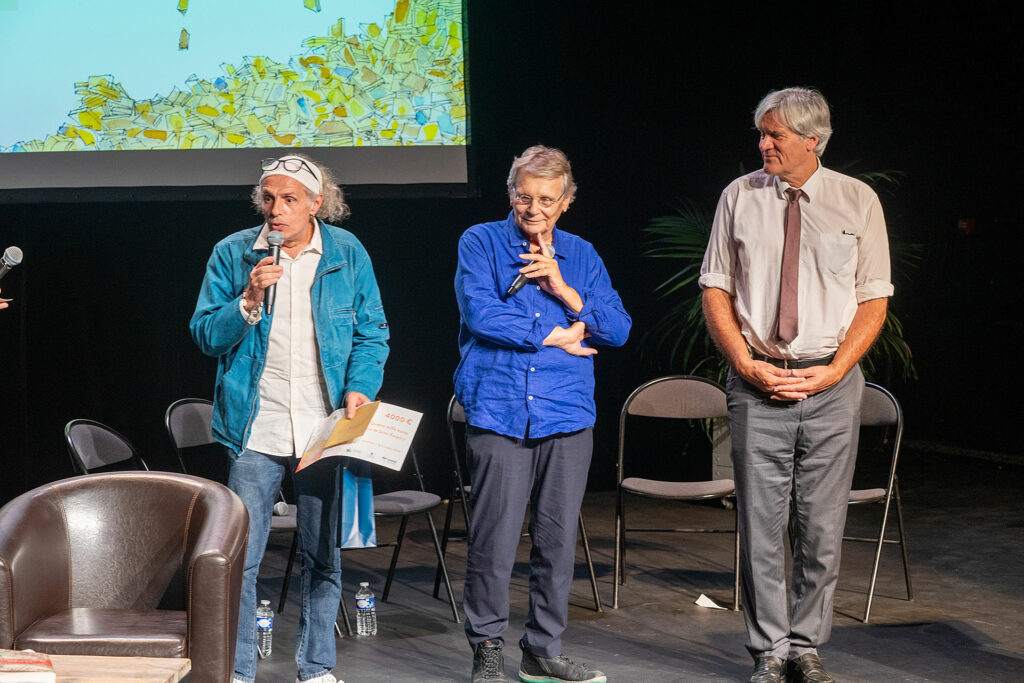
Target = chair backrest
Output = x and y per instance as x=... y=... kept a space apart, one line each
x=188 y=422
x=93 y=445
x=117 y=540
x=879 y=408
x=677 y=396
x=456 y=416
x=681 y=397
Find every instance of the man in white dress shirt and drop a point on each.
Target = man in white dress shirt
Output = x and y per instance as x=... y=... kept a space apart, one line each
x=795 y=288
x=322 y=346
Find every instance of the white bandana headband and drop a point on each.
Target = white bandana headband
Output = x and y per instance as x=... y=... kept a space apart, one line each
x=296 y=168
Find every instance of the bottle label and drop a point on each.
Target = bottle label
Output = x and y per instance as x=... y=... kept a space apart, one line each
x=265 y=623
x=364 y=603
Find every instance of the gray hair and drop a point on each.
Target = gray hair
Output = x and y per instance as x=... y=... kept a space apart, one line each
x=802 y=110
x=544 y=162
x=333 y=208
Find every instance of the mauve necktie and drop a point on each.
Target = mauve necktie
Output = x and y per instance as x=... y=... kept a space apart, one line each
x=789 y=293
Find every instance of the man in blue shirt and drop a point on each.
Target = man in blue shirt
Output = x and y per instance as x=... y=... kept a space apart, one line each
x=526 y=382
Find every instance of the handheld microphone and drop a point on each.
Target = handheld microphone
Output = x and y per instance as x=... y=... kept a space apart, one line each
x=12 y=257
x=520 y=281
x=275 y=239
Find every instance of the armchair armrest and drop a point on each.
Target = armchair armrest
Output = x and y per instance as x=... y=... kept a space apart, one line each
x=35 y=562
x=216 y=538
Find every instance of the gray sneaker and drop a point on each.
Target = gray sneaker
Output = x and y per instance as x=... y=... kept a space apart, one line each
x=489 y=663
x=558 y=669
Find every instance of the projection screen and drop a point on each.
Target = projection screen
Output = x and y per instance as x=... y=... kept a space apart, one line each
x=187 y=93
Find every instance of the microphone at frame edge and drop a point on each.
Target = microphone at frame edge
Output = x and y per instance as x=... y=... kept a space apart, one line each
x=275 y=239
x=521 y=279
x=12 y=257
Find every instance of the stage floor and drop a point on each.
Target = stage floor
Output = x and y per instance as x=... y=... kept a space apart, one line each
x=965 y=527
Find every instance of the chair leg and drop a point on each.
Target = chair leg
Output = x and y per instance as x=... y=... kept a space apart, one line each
x=617 y=573
x=736 y=566
x=878 y=557
x=444 y=569
x=394 y=558
x=444 y=541
x=344 y=617
x=903 y=540
x=288 y=572
x=590 y=564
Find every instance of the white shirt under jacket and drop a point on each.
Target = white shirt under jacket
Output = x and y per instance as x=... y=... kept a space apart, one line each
x=293 y=393
x=844 y=258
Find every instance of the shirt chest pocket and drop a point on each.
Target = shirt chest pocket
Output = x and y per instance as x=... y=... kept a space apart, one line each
x=837 y=253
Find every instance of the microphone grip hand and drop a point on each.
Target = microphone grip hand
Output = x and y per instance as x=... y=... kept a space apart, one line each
x=275 y=240
x=521 y=279
x=263 y=276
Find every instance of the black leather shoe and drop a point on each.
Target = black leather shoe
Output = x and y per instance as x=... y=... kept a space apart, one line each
x=768 y=669
x=808 y=669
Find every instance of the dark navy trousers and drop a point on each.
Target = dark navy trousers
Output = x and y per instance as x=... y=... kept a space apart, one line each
x=550 y=476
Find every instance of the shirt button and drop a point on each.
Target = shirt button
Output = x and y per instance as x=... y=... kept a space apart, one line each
x=537 y=314
x=530 y=398
x=532 y=369
x=524 y=244
x=538 y=286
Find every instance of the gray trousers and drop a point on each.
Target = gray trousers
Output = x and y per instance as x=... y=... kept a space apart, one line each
x=549 y=475
x=793 y=467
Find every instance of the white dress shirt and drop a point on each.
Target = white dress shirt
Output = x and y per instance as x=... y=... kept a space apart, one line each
x=293 y=393
x=844 y=258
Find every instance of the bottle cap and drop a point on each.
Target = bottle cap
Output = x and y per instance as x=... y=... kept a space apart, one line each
x=364 y=583
x=264 y=602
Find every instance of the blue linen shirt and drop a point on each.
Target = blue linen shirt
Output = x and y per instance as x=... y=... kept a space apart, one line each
x=507 y=379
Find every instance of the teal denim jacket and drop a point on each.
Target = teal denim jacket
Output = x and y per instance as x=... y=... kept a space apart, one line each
x=351 y=329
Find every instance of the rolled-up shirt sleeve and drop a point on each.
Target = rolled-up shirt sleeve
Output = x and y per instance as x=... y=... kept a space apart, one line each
x=873 y=279
x=603 y=313
x=718 y=269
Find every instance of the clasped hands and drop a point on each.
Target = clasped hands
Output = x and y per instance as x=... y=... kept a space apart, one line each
x=789 y=385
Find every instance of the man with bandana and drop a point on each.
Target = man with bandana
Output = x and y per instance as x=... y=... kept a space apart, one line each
x=321 y=346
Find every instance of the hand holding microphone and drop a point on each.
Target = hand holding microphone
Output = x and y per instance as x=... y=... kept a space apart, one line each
x=521 y=279
x=275 y=239
x=12 y=257
x=263 y=278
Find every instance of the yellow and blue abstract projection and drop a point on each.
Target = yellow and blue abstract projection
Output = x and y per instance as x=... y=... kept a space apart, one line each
x=394 y=78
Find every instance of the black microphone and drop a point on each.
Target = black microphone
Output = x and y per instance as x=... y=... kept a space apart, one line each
x=521 y=279
x=12 y=257
x=275 y=239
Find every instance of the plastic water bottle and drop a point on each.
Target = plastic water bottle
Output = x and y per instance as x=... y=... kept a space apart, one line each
x=264 y=628
x=366 y=611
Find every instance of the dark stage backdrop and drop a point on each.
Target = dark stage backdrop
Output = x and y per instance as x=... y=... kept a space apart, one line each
x=651 y=108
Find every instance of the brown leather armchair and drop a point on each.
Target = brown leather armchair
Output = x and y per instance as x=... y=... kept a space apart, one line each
x=145 y=564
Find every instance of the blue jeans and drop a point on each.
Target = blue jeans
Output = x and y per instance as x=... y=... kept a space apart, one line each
x=256 y=478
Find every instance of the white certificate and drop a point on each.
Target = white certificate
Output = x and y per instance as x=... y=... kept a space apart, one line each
x=380 y=433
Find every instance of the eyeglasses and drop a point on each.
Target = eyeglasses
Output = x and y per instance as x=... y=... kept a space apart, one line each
x=545 y=202
x=292 y=165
